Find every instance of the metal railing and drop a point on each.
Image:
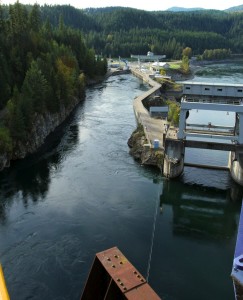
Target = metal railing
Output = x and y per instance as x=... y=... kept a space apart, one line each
x=199 y=99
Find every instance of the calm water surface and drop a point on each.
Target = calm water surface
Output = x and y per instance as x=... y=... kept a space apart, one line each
x=84 y=193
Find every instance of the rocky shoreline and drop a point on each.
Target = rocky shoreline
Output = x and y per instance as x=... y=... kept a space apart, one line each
x=43 y=125
x=144 y=155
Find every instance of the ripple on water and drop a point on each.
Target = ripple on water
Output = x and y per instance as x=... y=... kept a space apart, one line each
x=96 y=196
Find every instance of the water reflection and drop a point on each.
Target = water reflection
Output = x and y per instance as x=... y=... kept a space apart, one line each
x=29 y=179
x=95 y=196
x=199 y=212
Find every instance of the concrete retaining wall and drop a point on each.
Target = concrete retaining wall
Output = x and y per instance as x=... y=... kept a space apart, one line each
x=174 y=158
x=173 y=163
x=235 y=168
x=141 y=113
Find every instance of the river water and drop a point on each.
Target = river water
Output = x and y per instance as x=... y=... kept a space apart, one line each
x=83 y=193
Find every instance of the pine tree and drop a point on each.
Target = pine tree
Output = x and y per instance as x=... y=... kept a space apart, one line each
x=35 y=87
x=35 y=18
x=90 y=63
x=15 y=119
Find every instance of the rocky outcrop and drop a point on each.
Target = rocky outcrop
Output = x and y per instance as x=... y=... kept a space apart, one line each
x=142 y=152
x=42 y=126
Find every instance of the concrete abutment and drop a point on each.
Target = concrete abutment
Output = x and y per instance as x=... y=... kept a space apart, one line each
x=236 y=166
x=173 y=158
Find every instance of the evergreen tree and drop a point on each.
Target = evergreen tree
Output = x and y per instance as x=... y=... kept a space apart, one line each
x=15 y=119
x=35 y=87
x=5 y=140
x=90 y=63
x=35 y=18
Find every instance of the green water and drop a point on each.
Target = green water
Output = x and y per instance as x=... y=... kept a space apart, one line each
x=84 y=193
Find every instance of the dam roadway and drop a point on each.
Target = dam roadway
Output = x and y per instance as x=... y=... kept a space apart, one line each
x=154 y=129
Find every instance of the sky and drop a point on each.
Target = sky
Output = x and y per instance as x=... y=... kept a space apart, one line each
x=139 y=4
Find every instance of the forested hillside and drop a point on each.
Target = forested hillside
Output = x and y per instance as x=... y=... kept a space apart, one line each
x=119 y=31
x=43 y=70
x=47 y=52
x=128 y=31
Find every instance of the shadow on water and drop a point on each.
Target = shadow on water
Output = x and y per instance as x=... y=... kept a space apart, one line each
x=202 y=213
x=195 y=235
x=30 y=177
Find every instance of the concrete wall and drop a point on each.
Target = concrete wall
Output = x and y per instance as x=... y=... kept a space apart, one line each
x=174 y=149
x=171 y=169
x=213 y=89
x=174 y=158
x=155 y=85
x=235 y=167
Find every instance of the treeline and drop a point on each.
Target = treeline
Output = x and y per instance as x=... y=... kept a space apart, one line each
x=119 y=31
x=215 y=54
x=128 y=31
x=43 y=69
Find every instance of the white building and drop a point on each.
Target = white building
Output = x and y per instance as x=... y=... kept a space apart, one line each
x=192 y=88
x=157 y=65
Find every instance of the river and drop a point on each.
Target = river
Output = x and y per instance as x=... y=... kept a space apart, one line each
x=83 y=193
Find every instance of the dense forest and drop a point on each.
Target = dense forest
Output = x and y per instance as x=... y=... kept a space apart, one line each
x=127 y=31
x=47 y=52
x=43 y=69
x=117 y=31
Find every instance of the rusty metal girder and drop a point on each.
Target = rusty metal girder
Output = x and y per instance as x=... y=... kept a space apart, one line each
x=112 y=276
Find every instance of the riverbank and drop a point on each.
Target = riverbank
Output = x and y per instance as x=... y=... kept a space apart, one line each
x=42 y=126
x=194 y=67
x=141 y=150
